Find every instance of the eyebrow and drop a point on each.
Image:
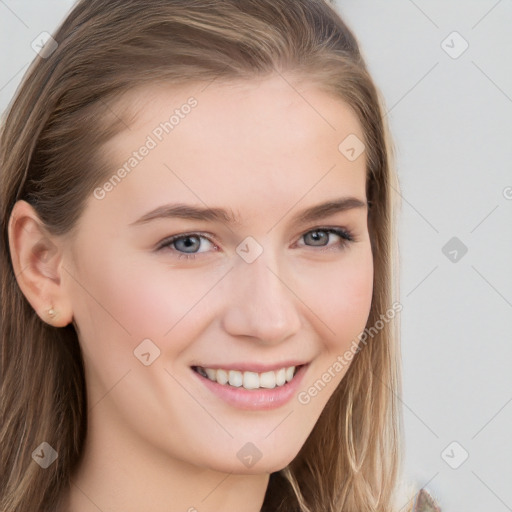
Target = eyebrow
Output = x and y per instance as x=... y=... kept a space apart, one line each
x=190 y=212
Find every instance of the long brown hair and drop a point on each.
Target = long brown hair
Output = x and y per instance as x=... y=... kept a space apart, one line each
x=50 y=147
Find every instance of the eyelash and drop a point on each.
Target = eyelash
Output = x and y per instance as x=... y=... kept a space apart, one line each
x=345 y=235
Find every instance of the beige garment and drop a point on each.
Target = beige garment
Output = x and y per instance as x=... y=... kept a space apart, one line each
x=424 y=502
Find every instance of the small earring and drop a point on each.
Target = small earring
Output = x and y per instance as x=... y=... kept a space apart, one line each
x=51 y=312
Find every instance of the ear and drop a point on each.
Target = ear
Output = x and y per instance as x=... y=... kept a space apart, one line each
x=37 y=257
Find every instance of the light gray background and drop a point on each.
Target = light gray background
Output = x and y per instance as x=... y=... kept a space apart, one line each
x=451 y=119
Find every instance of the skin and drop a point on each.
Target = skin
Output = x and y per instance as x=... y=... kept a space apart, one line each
x=158 y=439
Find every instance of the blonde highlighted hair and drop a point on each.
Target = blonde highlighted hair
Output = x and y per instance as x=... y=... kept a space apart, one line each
x=50 y=157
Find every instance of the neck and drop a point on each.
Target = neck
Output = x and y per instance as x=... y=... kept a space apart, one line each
x=121 y=472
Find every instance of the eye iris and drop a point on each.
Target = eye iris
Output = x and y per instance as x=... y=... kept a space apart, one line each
x=187 y=243
x=318 y=237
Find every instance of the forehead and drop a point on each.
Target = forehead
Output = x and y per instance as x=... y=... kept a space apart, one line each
x=242 y=111
x=216 y=142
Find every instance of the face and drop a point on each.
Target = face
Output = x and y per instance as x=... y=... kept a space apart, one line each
x=239 y=275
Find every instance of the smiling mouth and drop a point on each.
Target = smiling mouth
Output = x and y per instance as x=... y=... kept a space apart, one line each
x=249 y=380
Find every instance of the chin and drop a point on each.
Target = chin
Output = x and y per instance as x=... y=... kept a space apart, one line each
x=265 y=465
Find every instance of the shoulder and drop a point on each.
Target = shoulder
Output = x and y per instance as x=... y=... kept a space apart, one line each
x=424 y=502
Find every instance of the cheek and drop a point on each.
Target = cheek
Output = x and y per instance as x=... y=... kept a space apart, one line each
x=125 y=303
x=343 y=300
x=167 y=297
x=143 y=297
x=165 y=306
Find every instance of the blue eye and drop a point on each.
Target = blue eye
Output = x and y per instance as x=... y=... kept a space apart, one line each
x=187 y=246
x=320 y=237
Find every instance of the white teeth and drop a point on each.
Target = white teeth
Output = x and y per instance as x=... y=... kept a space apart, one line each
x=281 y=377
x=222 y=377
x=235 y=378
x=249 y=380
x=268 y=380
x=210 y=373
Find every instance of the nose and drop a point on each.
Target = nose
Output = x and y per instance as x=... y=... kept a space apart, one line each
x=260 y=304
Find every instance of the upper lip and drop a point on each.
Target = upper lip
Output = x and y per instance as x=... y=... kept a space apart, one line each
x=253 y=367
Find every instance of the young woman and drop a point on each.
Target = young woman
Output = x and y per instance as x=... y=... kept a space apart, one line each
x=198 y=266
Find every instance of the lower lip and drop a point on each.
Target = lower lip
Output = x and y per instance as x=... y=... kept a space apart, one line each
x=255 y=399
